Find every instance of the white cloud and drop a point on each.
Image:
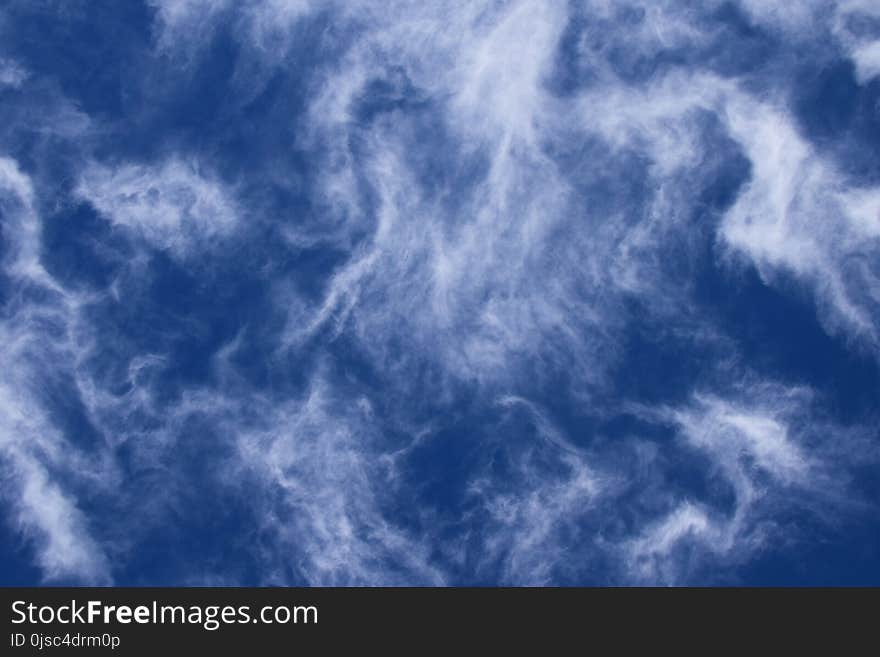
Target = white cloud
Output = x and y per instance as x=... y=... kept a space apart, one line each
x=863 y=49
x=172 y=206
x=469 y=274
x=65 y=549
x=652 y=553
x=496 y=264
x=763 y=439
x=867 y=61
x=184 y=24
x=21 y=226
x=793 y=17
x=799 y=215
x=526 y=529
x=547 y=490
x=730 y=432
x=320 y=492
x=43 y=510
x=523 y=265
x=11 y=74
x=269 y=22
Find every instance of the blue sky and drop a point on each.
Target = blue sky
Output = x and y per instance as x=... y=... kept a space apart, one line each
x=312 y=292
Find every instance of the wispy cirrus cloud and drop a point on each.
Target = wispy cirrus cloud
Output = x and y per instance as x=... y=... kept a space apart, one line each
x=170 y=206
x=459 y=321
x=32 y=447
